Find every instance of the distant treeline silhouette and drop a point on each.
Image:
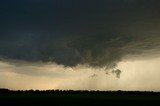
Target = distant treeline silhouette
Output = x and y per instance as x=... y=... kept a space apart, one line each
x=3 y=90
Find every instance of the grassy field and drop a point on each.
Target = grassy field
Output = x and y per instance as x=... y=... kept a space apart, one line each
x=81 y=98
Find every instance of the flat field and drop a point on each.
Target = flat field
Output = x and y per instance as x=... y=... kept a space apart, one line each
x=80 y=98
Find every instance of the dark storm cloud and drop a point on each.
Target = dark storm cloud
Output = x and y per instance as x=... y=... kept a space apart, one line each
x=117 y=72
x=95 y=33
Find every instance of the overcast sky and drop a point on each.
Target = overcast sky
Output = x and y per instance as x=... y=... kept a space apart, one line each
x=54 y=44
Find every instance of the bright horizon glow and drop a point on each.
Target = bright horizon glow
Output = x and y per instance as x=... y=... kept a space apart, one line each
x=137 y=75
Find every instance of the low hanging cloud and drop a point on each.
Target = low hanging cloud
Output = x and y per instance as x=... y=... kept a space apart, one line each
x=97 y=35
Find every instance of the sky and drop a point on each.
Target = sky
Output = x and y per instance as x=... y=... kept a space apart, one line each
x=80 y=45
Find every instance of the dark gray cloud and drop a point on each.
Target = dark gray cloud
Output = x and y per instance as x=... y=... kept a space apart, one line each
x=117 y=72
x=95 y=33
